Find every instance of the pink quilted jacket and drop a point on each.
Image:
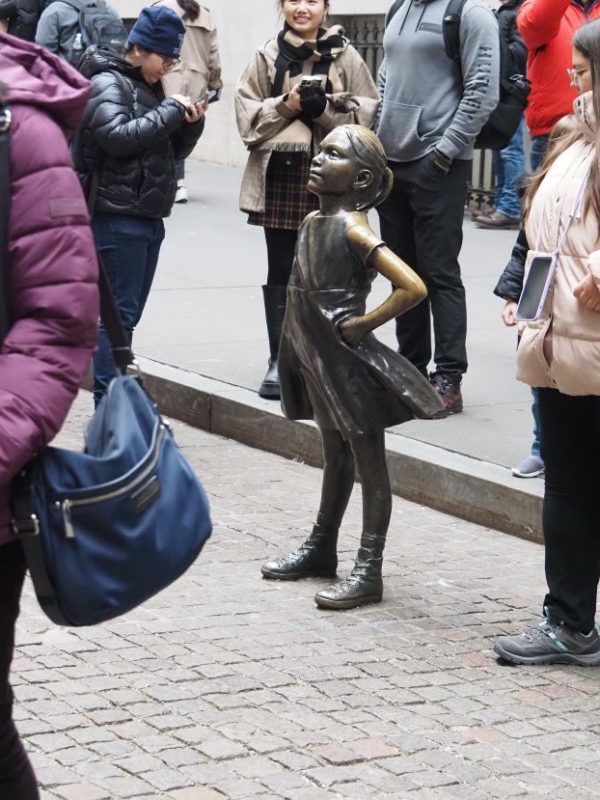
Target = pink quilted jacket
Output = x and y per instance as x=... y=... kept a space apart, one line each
x=53 y=268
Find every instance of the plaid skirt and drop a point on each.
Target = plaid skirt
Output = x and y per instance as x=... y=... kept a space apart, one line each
x=287 y=200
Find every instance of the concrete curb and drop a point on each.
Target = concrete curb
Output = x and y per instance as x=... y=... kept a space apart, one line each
x=465 y=487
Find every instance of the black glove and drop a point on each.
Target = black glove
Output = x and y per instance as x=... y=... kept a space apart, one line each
x=313 y=100
x=436 y=166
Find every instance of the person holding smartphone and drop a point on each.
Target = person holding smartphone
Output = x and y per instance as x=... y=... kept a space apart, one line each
x=198 y=72
x=296 y=89
x=125 y=153
x=559 y=354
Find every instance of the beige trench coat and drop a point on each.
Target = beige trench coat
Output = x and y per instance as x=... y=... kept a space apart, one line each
x=200 y=65
x=260 y=117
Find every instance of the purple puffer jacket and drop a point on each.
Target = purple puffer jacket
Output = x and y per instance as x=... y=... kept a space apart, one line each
x=53 y=268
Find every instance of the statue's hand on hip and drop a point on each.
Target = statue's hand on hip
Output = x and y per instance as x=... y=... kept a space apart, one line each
x=353 y=330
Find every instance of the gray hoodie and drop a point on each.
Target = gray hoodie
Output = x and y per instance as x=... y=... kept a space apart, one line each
x=426 y=103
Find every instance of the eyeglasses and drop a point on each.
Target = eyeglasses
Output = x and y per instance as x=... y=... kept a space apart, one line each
x=576 y=74
x=169 y=63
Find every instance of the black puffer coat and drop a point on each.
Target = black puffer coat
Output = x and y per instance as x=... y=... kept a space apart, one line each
x=132 y=136
x=510 y=283
x=23 y=15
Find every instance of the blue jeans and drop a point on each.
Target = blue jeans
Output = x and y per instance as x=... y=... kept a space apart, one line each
x=129 y=248
x=509 y=165
x=539 y=147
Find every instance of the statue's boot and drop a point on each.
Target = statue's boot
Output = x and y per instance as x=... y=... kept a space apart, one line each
x=315 y=558
x=275 y=299
x=364 y=585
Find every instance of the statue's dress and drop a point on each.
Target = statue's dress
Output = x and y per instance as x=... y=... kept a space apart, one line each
x=354 y=390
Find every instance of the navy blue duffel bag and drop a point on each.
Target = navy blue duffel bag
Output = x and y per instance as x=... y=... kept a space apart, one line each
x=105 y=529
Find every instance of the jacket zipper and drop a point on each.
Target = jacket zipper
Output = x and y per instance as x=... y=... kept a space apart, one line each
x=67 y=504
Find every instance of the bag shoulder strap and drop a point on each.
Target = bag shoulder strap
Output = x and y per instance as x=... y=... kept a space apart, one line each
x=396 y=5
x=451 y=29
x=5 y=123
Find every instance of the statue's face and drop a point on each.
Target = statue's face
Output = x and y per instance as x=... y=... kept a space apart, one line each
x=334 y=169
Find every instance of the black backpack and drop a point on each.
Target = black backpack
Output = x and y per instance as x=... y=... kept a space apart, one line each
x=98 y=24
x=514 y=88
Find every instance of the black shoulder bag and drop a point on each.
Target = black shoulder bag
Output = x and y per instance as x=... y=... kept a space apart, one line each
x=106 y=528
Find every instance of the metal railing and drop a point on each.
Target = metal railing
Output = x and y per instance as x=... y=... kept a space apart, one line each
x=366 y=34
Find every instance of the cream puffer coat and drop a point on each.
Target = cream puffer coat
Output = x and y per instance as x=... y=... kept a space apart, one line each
x=562 y=350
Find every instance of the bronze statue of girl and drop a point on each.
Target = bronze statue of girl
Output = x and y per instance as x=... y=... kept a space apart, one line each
x=333 y=370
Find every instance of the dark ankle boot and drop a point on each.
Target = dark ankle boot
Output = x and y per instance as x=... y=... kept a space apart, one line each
x=364 y=585
x=274 y=298
x=315 y=558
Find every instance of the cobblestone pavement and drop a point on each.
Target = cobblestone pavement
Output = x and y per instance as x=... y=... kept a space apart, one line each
x=228 y=686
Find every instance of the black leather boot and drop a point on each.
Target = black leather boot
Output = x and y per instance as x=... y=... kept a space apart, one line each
x=274 y=298
x=364 y=585
x=315 y=558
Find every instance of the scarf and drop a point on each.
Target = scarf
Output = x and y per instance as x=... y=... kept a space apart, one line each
x=293 y=53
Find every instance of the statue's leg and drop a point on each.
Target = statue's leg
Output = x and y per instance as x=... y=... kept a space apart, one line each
x=364 y=584
x=317 y=556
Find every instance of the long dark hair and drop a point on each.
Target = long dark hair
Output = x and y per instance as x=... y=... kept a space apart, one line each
x=190 y=8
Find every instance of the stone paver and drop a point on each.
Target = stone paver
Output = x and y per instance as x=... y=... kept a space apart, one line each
x=228 y=686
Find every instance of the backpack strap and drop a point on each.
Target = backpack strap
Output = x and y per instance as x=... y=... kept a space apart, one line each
x=451 y=29
x=396 y=5
x=5 y=122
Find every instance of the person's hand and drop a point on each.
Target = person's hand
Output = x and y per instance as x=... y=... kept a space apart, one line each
x=4 y=23
x=194 y=113
x=435 y=166
x=353 y=330
x=182 y=98
x=312 y=100
x=588 y=294
x=292 y=99
x=509 y=313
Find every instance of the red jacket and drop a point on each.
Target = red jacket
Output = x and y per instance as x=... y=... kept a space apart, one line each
x=547 y=28
x=54 y=273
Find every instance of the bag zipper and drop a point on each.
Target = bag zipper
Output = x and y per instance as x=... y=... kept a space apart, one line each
x=67 y=504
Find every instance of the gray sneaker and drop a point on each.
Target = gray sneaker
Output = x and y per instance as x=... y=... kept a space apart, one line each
x=530 y=467
x=550 y=642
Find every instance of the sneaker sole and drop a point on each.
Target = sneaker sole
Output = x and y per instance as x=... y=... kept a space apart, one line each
x=535 y=474
x=591 y=660
x=447 y=412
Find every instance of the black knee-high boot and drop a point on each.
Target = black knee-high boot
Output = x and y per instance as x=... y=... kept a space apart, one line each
x=275 y=299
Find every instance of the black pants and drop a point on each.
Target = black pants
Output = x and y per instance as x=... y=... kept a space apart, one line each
x=281 y=245
x=570 y=437
x=17 y=781
x=421 y=221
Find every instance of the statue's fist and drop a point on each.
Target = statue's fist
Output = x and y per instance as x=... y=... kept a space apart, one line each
x=353 y=330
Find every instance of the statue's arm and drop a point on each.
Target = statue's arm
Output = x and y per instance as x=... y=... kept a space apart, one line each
x=408 y=292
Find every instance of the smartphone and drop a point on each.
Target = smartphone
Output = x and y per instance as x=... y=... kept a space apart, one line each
x=207 y=97
x=311 y=80
x=537 y=284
